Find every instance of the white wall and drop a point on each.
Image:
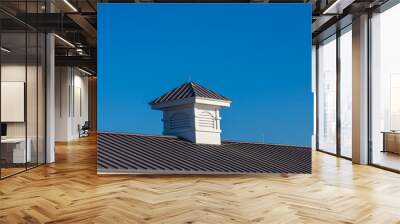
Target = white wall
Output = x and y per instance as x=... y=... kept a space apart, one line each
x=71 y=102
x=33 y=126
x=80 y=112
x=62 y=82
x=17 y=73
x=12 y=73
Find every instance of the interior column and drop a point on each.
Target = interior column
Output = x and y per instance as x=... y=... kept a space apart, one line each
x=360 y=90
x=50 y=92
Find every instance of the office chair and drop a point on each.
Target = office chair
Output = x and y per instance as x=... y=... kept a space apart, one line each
x=84 y=130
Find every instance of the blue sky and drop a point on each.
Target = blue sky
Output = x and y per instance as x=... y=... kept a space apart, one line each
x=258 y=55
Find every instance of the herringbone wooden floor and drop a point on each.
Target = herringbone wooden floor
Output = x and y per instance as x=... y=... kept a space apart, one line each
x=69 y=191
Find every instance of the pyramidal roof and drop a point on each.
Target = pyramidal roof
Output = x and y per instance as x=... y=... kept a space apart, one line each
x=188 y=90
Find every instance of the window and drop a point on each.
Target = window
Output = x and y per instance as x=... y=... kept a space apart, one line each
x=385 y=89
x=22 y=92
x=327 y=95
x=346 y=92
x=394 y=102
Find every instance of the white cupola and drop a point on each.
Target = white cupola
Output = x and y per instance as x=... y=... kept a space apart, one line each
x=191 y=111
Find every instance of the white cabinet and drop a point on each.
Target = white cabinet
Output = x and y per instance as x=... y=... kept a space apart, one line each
x=17 y=146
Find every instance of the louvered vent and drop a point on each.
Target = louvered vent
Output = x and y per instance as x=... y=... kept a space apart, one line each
x=179 y=120
x=206 y=119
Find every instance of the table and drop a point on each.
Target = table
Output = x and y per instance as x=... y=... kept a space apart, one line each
x=391 y=141
x=13 y=150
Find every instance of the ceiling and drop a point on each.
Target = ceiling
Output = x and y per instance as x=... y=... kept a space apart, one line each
x=75 y=21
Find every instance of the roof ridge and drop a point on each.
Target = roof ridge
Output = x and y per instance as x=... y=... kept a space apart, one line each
x=188 y=90
x=193 y=85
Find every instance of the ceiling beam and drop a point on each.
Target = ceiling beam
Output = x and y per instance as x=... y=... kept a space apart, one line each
x=86 y=26
x=79 y=61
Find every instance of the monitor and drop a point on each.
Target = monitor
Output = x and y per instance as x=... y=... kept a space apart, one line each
x=3 y=129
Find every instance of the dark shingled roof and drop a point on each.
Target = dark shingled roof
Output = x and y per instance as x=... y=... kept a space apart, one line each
x=140 y=154
x=188 y=90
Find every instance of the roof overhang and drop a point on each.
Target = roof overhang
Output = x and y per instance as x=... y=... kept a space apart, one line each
x=192 y=100
x=214 y=102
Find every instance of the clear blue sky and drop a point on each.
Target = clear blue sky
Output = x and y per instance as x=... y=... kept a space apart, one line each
x=258 y=55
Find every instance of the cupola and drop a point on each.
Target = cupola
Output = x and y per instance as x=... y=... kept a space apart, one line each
x=191 y=111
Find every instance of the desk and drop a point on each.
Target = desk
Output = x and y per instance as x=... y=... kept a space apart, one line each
x=13 y=150
x=391 y=141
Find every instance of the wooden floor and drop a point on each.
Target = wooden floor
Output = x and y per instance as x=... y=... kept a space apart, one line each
x=69 y=191
x=5 y=172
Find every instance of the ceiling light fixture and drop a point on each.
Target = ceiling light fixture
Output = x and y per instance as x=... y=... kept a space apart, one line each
x=80 y=51
x=84 y=71
x=5 y=50
x=70 y=5
x=64 y=40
